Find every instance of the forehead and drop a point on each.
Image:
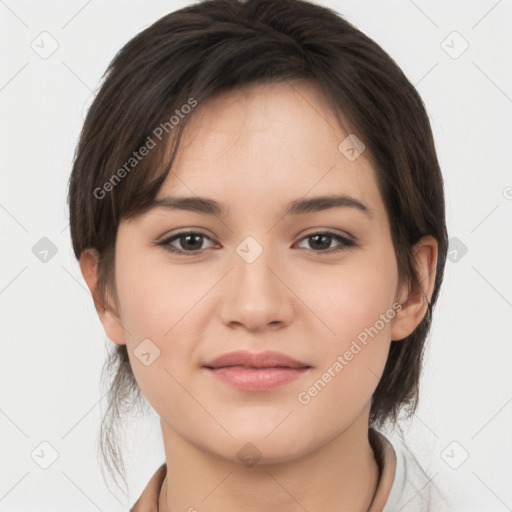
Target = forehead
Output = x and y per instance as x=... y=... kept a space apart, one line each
x=269 y=142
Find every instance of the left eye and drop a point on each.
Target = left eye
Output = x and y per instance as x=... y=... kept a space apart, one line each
x=319 y=238
x=190 y=241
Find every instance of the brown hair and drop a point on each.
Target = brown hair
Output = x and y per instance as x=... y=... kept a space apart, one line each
x=217 y=45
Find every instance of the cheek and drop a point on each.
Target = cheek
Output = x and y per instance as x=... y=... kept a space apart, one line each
x=157 y=296
x=353 y=357
x=352 y=297
x=155 y=310
x=355 y=306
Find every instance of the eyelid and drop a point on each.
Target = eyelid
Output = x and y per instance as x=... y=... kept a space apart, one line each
x=184 y=231
x=328 y=231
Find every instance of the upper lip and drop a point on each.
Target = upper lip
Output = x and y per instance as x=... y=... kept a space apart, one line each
x=266 y=359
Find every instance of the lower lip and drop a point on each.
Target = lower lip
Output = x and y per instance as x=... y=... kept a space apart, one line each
x=256 y=379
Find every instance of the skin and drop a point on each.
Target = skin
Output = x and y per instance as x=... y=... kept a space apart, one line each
x=255 y=149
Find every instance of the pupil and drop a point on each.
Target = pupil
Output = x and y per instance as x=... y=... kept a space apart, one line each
x=316 y=237
x=191 y=236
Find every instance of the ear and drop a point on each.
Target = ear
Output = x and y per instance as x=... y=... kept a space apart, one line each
x=106 y=310
x=414 y=302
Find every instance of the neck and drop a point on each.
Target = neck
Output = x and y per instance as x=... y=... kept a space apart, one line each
x=340 y=476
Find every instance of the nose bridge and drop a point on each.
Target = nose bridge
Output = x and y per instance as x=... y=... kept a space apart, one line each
x=252 y=262
x=255 y=296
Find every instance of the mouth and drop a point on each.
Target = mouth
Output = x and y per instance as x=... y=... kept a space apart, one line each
x=246 y=371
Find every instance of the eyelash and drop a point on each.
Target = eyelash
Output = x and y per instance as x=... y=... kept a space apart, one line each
x=345 y=242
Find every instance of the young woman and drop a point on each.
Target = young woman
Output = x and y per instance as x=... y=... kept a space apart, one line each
x=257 y=207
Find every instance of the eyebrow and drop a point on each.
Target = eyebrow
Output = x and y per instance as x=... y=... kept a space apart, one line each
x=297 y=207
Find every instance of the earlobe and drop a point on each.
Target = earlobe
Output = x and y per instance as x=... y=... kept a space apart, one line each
x=106 y=311
x=415 y=303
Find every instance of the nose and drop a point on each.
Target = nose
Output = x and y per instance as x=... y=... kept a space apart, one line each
x=255 y=293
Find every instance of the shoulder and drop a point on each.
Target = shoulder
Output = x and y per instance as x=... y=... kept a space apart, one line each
x=413 y=489
x=148 y=500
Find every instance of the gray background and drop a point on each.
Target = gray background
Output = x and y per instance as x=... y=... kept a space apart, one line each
x=53 y=345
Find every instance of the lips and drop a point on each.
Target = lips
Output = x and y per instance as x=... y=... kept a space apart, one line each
x=256 y=372
x=246 y=359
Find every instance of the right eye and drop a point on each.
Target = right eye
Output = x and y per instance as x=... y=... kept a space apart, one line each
x=189 y=241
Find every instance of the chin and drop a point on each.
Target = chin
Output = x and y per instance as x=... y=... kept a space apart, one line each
x=257 y=447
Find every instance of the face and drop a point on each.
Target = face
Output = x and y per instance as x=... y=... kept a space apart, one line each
x=318 y=285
